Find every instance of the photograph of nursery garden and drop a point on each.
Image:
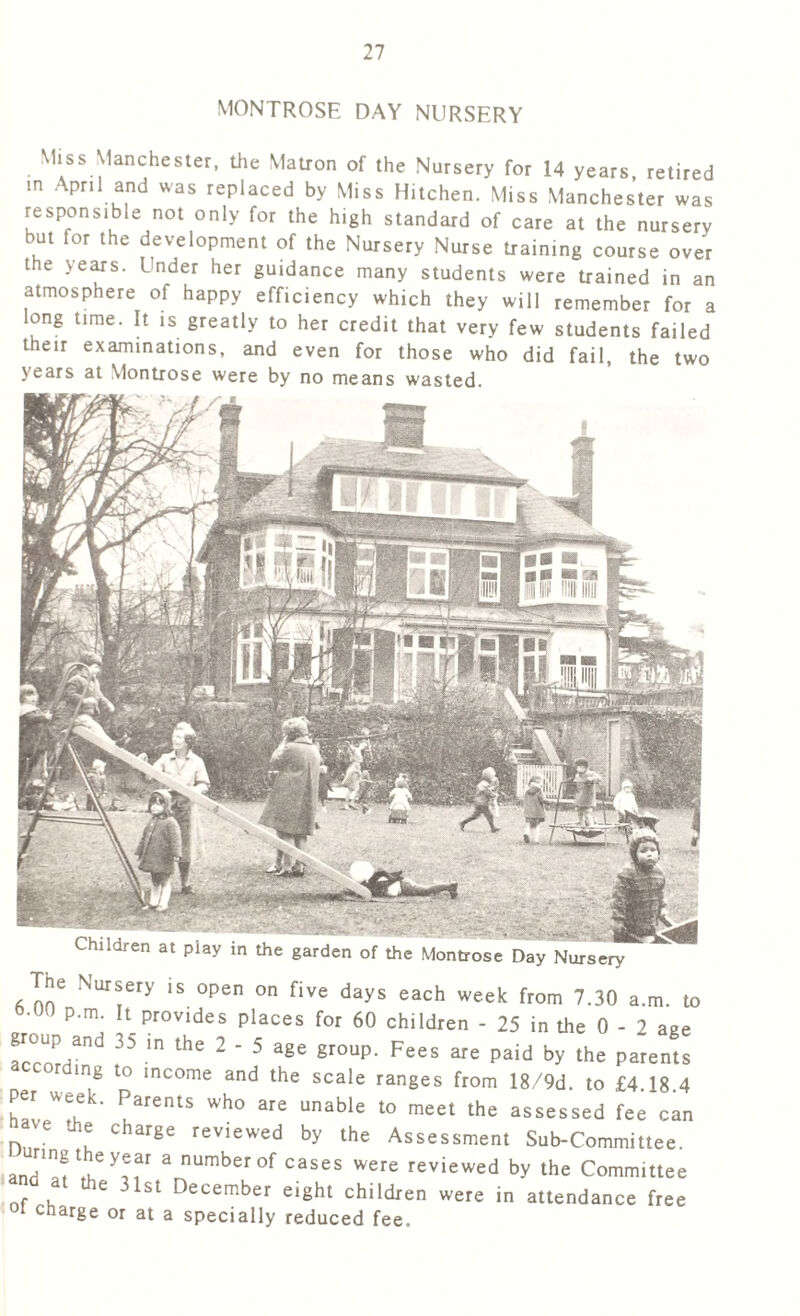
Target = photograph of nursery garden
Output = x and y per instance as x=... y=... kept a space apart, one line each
x=210 y=568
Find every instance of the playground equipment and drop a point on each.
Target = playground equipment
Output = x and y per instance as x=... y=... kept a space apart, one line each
x=63 y=745
x=582 y=835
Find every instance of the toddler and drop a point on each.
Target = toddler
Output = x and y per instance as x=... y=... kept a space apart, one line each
x=399 y=801
x=485 y=803
x=533 y=806
x=97 y=781
x=637 y=900
x=586 y=783
x=159 y=849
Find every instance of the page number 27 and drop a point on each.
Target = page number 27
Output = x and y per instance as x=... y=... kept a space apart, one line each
x=373 y=50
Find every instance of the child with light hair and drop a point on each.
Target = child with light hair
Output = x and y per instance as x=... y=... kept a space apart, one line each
x=484 y=805
x=399 y=801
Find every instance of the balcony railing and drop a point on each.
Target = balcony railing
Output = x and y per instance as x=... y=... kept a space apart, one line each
x=589 y=589
x=569 y=588
x=489 y=591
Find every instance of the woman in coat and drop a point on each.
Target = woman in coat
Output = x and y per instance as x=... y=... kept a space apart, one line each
x=292 y=805
x=187 y=767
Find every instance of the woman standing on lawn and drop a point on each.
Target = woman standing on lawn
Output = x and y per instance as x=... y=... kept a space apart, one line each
x=188 y=768
x=292 y=805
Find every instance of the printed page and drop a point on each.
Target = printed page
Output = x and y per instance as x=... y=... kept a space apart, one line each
x=397 y=433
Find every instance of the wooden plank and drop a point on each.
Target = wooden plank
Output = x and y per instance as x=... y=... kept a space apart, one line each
x=228 y=815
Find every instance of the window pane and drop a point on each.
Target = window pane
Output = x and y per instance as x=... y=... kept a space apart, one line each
x=482 y=500
x=395 y=500
x=369 y=493
x=501 y=503
x=412 y=495
x=546 y=559
x=438 y=585
x=347 y=491
x=302 y=660
x=426 y=641
x=438 y=498
x=456 y=491
x=569 y=557
x=416 y=580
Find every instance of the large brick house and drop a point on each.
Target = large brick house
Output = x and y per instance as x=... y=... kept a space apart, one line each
x=372 y=568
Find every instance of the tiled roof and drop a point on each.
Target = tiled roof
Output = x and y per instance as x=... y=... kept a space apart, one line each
x=446 y=463
x=539 y=518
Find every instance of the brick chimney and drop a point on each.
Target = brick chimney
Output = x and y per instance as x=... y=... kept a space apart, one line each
x=227 y=483
x=582 y=462
x=403 y=425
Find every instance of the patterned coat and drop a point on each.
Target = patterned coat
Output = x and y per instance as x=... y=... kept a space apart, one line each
x=292 y=804
x=637 y=900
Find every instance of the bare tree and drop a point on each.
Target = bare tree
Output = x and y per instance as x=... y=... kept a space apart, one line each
x=99 y=472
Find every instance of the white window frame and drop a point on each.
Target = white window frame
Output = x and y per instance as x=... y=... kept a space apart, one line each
x=259 y=553
x=564 y=665
x=250 y=637
x=364 y=643
x=588 y=671
x=427 y=565
x=364 y=570
x=445 y=649
x=536 y=576
x=489 y=647
x=539 y=652
x=397 y=495
x=316 y=636
x=489 y=573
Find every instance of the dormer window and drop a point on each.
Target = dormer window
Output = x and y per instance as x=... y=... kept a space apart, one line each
x=416 y=497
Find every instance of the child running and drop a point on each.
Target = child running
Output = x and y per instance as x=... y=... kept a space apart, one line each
x=533 y=807
x=352 y=784
x=485 y=802
x=637 y=900
x=159 y=849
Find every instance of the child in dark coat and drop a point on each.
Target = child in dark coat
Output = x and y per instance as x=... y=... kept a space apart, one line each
x=160 y=849
x=586 y=783
x=533 y=806
x=383 y=884
x=637 y=900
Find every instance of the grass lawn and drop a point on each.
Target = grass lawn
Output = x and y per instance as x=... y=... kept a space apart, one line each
x=560 y=892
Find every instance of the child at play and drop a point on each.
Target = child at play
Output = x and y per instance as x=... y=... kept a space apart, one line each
x=324 y=786
x=637 y=899
x=159 y=849
x=484 y=804
x=586 y=782
x=628 y=811
x=97 y=780
x=32 y=719
x=352 y=784
x=383 y=884
x=364 y=789
x=399 y=801
x=533 y=807
x=625 y=803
